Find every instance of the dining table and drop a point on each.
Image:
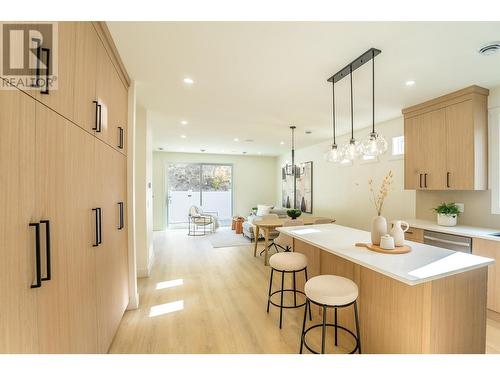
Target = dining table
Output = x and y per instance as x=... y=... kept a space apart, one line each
x=269 y=225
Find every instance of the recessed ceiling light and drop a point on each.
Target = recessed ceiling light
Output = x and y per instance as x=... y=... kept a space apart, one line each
x=188 y=81
x=410 y=83
x=183 y=136
x=282 y=143
x=259 y=153
x=236 y=140
x=222 y=151
x=184 y=122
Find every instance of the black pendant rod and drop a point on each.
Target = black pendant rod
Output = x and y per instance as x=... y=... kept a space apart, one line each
x=352 y=109
x=294 y=171
x=333 y=108
x=373 y=91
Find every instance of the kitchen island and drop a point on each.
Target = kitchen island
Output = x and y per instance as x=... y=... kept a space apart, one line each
x=430 y=300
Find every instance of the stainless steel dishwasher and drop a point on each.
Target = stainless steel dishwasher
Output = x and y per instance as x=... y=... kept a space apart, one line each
x=448 y=241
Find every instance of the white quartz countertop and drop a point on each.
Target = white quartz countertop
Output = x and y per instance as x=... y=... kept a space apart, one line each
x=424 y=263
x=460 y=230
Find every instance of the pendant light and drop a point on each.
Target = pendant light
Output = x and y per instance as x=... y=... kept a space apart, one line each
x=334 y=155
x=373 y=145
x=293 y=169
x=351 y=150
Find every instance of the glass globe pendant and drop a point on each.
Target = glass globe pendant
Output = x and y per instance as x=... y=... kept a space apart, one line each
x=334 y=155
x=351 y=150
x=374 y=145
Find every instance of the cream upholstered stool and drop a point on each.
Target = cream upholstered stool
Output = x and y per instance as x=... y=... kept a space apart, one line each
x=330 y=291
x=286 y=263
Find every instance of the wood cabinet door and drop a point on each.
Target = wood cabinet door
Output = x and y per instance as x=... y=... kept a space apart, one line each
x=490 y=249
x=110 y=253
x=433 y=149
x=86 y=76
x=18 y=327
x=414 y=163
x=60 y=99
x=105 y=94
x=460 y=146
x=80 y=254
x=51 y=199
x=119 y=118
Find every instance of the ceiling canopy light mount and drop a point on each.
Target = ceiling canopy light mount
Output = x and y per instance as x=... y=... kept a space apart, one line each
x=355 y=64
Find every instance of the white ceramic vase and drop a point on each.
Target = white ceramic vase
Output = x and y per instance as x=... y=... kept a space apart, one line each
x=447 y=220
x=379 y=228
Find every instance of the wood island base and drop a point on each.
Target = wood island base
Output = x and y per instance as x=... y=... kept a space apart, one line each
x=446 y=315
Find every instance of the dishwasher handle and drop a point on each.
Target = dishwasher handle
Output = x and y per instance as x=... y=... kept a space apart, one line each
x=464 y=244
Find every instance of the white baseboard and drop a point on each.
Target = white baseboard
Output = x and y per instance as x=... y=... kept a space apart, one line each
x=145 y=272
x=133 y=302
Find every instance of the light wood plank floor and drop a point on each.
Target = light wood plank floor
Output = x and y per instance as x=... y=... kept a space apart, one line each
x=204 y=300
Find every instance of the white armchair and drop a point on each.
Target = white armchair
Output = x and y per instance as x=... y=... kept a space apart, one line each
x=198 y=219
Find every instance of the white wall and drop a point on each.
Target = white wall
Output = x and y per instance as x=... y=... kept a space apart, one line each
x=342 y=192
x=254 y=180
x=477 y=203
x=143 y=194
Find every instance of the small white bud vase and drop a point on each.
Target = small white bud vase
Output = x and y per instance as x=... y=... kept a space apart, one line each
x=447 y=220
x=379 y=229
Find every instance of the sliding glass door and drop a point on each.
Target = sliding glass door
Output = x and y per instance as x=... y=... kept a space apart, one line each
x=208 y=186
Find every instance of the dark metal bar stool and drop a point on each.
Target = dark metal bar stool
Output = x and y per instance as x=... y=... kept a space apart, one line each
x=329 y=291
x=286 y=263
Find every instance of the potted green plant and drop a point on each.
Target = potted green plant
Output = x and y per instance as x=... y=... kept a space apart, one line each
x=294 y=213
x=254 y=210
x=447 y=214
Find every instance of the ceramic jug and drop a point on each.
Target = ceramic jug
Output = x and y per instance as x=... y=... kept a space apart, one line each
x=397 y=232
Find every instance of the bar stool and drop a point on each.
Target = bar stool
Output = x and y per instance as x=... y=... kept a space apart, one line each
x=286 y=263
x=329 y=291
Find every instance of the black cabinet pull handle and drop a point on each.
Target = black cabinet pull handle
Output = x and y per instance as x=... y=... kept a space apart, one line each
x=96 y=243
x=38 y=265
x=425 y=180
x=100 y=225
x=99 y=123
x=96 y=114
x=447 y=179
x=47 y=249
x=47 y=71
x=120 y=143
x=122 y=224
x=38 y=56
x=420 y=179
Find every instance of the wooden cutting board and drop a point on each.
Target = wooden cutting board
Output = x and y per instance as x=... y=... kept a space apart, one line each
x=398 y=250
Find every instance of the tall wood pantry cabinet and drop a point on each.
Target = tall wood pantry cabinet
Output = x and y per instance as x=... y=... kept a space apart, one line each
x=63 y=225
x=446 y=142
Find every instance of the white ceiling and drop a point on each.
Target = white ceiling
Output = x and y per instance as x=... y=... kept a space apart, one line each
x=253 y=79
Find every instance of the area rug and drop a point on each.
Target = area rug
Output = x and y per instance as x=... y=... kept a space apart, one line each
x=225 y=237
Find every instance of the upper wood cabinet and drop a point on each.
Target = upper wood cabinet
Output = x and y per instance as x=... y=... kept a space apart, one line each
x=446 y=143
x=86 y=77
